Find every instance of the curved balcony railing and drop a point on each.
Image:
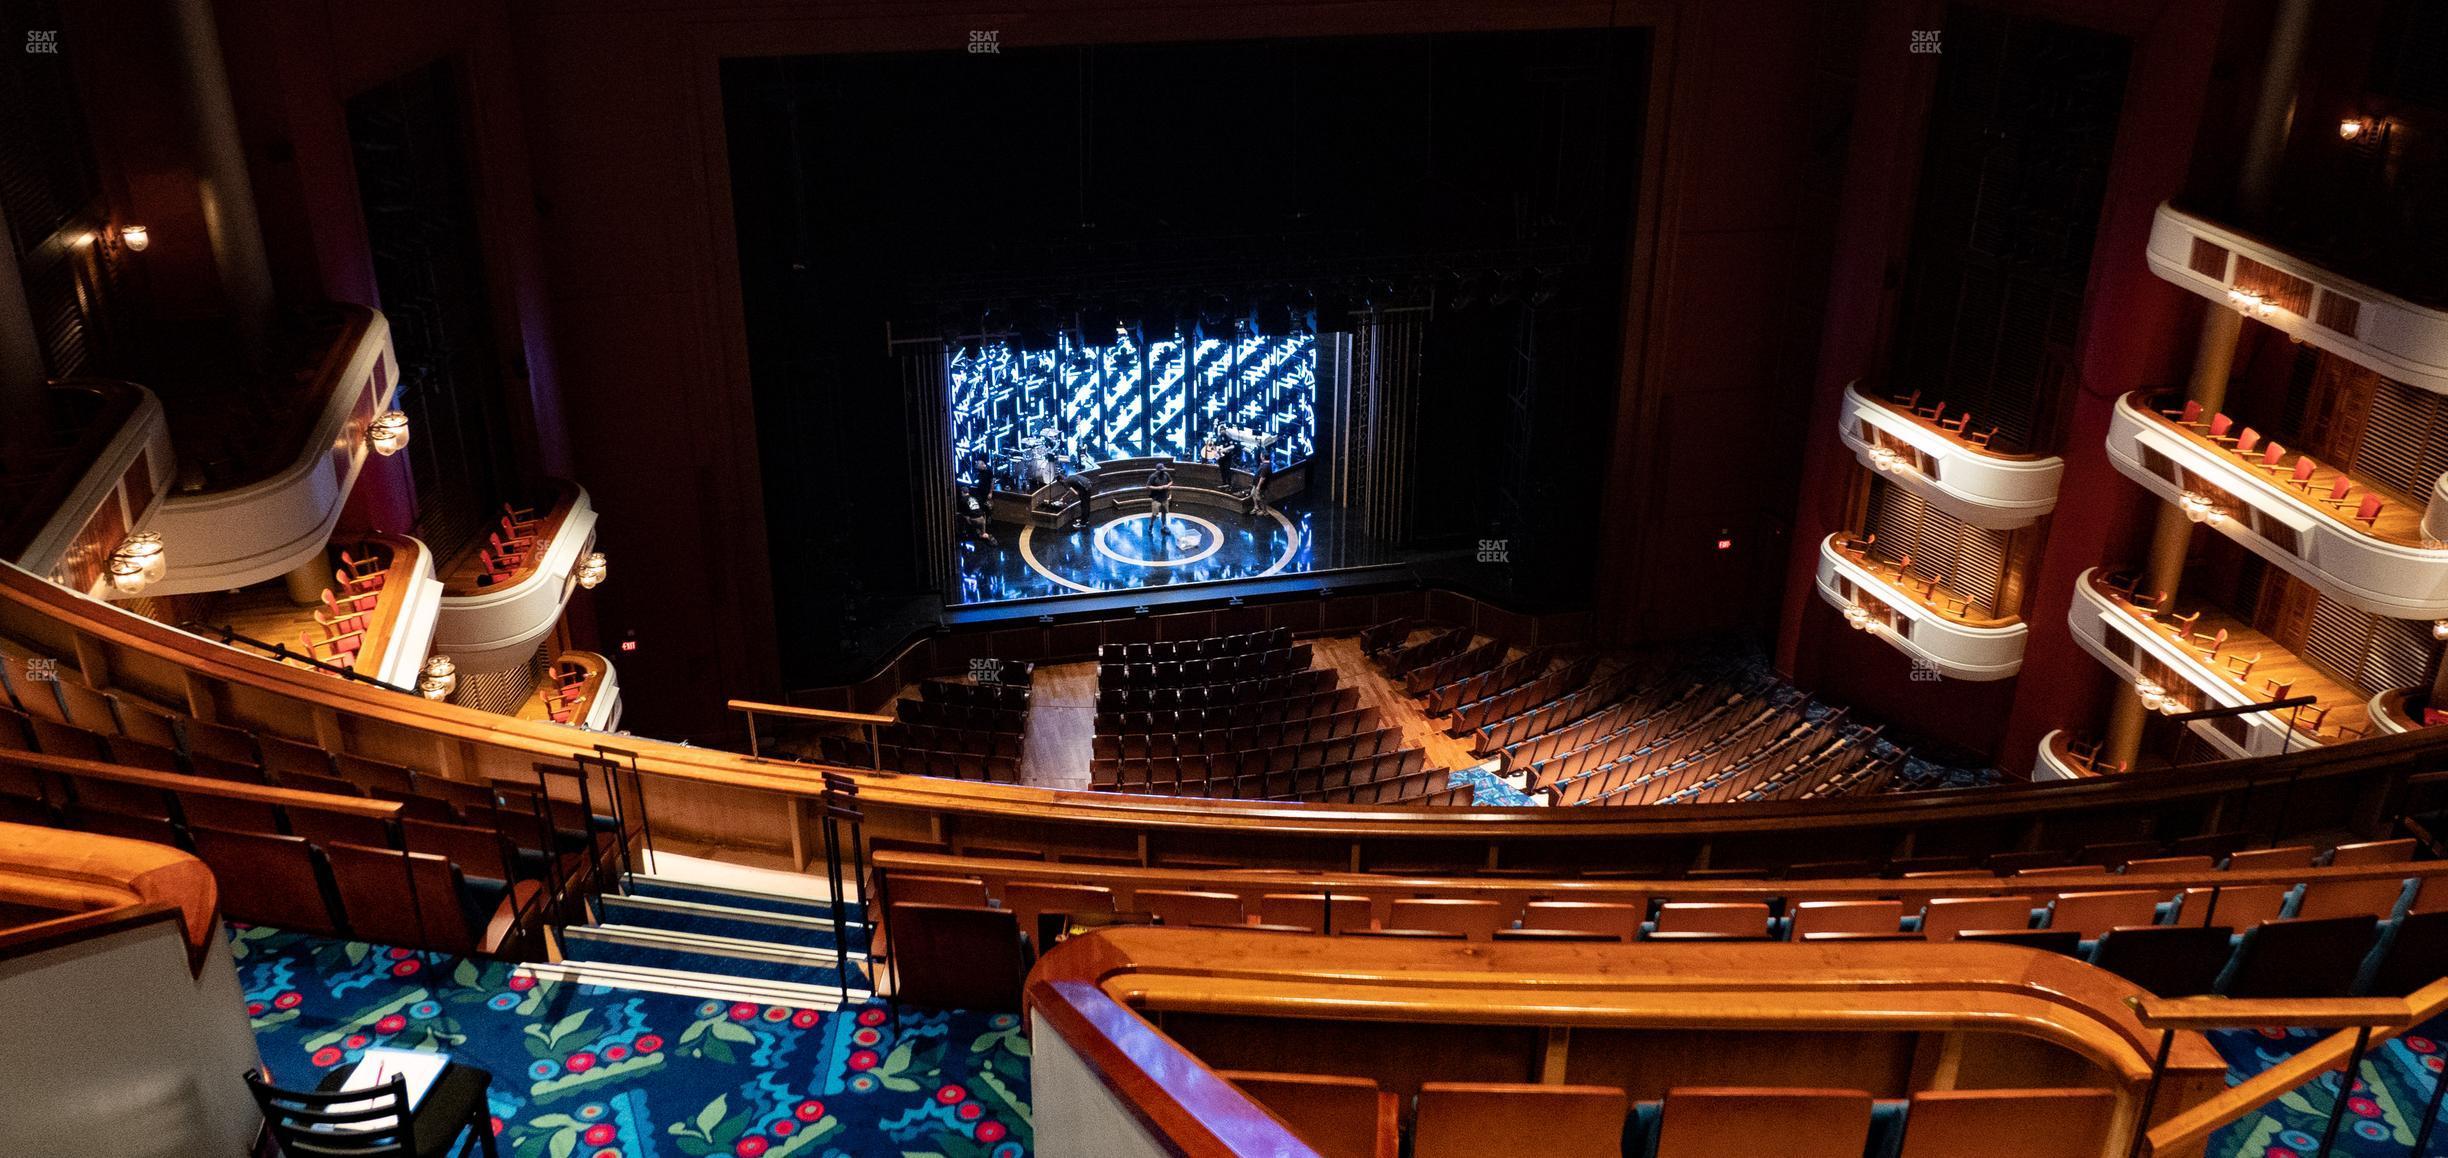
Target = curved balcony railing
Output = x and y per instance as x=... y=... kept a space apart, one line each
x=1924 y=621
x=2062 y=757
x=222 y=540
x=2206 y=659
x=66 y=505
x=1948 y=461
x=2367 y=326
x=2365 y=547
x=493 y=618
x=2401 y=710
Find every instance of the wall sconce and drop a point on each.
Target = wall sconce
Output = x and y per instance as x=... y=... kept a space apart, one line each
x=2198 y=507
x=592 y=572
x=389 y=433
x=439 y=678
x=2352 y=128
x=135 y=237
x=1884 y=459
x=2153 y=696
x=2439 y=629
x=2251 y=302
x=138 y=562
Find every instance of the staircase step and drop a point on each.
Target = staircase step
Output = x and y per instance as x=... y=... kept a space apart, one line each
x=666 y=889
x=712 y=956
x=726 y=921
x=714 y=986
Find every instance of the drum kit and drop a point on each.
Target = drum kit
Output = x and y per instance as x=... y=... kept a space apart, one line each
x=1044 y=457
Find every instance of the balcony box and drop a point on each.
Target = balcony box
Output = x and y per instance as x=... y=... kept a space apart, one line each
x=2124 y=641
x=1980 y=486
x=1952 y=645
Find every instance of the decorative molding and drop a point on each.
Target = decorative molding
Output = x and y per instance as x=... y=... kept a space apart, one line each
x=1953 y=648
x=1979 y=486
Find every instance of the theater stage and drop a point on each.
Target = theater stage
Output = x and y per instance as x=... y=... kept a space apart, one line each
x=1122 y=550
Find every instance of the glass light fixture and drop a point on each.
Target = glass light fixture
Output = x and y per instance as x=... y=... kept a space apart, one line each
x=592 y=572
x=2350 y=128
x=2439 y=629
x=2152 y=694
x=2198 y=507
x=138 y=562
x=135 y=237
x=439 y=678
x=1884 y=459
x=389 y=433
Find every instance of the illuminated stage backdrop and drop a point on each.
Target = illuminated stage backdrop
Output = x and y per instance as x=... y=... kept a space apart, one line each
x=1129 y=400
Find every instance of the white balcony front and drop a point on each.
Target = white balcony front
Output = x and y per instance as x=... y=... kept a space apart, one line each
x=492 y=620
x=2369 y=327
x=2400 y=710
x=223 y=540
x=127 y=466
x=1984 y=487
x=2148 y=651
x=2390 y=566
x=2057 y=760
x=1953 y=644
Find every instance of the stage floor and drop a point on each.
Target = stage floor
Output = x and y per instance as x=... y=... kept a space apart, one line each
x=1123 y=550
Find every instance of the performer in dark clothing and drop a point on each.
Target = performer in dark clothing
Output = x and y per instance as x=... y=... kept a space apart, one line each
x=1160 y=499
x=1258 y=480
x=1083 y=491
x=974 y=508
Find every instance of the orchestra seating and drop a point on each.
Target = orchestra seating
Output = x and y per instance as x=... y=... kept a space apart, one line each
x=2362 y=917
x=959 y=731
x=1274 y=728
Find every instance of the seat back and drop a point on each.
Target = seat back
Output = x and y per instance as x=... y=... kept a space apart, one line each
x=375 y=1123
x=323 y=827
x=2166 y=960
x=2091 y=914
x=1475 y=919
x=1716 y=918
x=2299 y=958
x=268 y=879
x=2348 y=898
x=284 y=755
x=1182 y=907
x=1947 y=916
x=1823 y=917
x=2290 y=856
x=1473 y=1119
x=2171 y=864
x=1615 y=918
x=225 y=812
x=1339 y=1117
x=930 y=890
x=2040 y=1123
x=2372 y=852
x=956 y=956
x=1308 y=910
x=1707 y=1122
x=479 y=852
x=2236 y=908
x=410 y=900
x=1027 y=899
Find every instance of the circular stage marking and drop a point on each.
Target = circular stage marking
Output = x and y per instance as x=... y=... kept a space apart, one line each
x=1214 y=540
x=1028 y=550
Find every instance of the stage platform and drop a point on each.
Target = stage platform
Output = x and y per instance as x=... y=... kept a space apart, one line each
x=1123 y=554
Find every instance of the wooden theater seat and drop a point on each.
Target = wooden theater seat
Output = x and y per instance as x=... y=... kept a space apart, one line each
x=1339 y=1117
x=1948 y=916
x=1308 y=911
x=1182 y=907
x=956 y=956
x=1984 y=1123
x=1610 y=918
x=1714 y=920
x=1819 y=918
x=1028 y=899
x=1477 y=920
x=2372 y=852
x=2291 y=856
x=2238 y=908
x=2091 y=914
x=2377 y=898
x=1474 y=1119
x=926 y=890
x=1711 y=1122
x=415 y=900
x=268 y=879
x=2166 y=960
x=2298 y=959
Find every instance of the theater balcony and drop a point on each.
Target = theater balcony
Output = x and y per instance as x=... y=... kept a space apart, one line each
x=2403 y=339
x=2353 y=539
x=2065 y=756
x=1949 y=459
x=2401 y=710
x=263 y=468
x=2197 y=657
x=502 y=594
x=1917 y=616
x=578 y=687
x=94 y=473
x=375 y=616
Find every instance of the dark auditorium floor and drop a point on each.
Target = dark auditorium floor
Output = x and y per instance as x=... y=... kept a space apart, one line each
x=586 y=1071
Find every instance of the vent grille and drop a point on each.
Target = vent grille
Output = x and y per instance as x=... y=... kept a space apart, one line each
x=1969 y=560
x=2289 y=292
x=2372 y=652
x=2339 y=313
x=2209 y=259
x=2405 y=439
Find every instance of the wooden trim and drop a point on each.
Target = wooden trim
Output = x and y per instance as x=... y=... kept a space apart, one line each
x=755 y=708
x=113 y=873
x=2301 y=1013
x=399 y=580
x=1879 y=399
x=1188 y=1109
x=206 y=785
x=44 y=936
x=2187 y=1131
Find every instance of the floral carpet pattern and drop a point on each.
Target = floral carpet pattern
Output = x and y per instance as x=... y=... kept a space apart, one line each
x=2383 y=1113
x=582 y=1071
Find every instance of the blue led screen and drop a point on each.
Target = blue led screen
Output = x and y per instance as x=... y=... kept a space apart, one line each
x=1133 y=400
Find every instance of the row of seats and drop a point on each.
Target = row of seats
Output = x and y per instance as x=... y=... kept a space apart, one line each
x=1208 y=741
x=1353 y=1117
x=999 y=769
x=1447 y=698
x=939 y=714
x=1285 y=758
x=1217 y=695
x=854 y=752
x=1799 y=759
x=1213 y=670
x=1225 y=777
x=1241 y=715
x=340 y=626
x=1566 y=706
x=1451 y=669
x=1385 y=637
x=563 y=686
x=1659 y=708
x=509 y=546
x=1008 y=696
x=1247 y=643
x=1398 y=663
x=1399 y=778
x=1472 y=715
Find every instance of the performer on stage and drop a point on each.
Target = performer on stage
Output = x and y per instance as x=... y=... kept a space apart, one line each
x=1223 y=451
x=1160 y=499
x=1258 y=480
x=1083 y=491
x=974 y=508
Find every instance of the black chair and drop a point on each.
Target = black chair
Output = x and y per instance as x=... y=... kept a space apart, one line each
x=2167 y=960
x=2413 y=953
x=2315 y=958
x=327 y=1123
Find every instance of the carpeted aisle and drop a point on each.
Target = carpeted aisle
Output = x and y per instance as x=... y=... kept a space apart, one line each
x=2382 y=1115
x=580 y=1071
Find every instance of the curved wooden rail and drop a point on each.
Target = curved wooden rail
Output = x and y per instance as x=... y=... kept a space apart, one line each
x=2186 y=1132
x=110 y=882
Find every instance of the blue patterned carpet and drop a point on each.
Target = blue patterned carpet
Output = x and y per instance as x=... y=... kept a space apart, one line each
x=580 y=1071
x=2382 y=1115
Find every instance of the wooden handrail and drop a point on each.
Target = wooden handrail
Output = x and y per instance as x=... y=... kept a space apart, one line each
x=755 y=708
x=2193 y=1127
x=2247 y=1013
x=206 y=785
x=108 y=874
x=1175 y=1096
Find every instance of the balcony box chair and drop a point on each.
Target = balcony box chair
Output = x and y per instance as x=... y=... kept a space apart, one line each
x=451 y=1119
x=2247 y=442
x=2338 y=490
x=2273 y=457
x=2369 y=512
x=2301 y=477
